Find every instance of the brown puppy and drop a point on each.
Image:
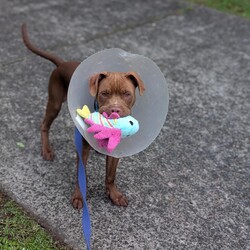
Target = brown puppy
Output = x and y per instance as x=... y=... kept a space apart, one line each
x=114 y=92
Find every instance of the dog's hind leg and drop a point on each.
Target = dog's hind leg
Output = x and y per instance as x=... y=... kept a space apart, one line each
x=57 y=95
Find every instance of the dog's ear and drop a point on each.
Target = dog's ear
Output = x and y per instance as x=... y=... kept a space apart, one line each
x=136 y=80
x=94 y=82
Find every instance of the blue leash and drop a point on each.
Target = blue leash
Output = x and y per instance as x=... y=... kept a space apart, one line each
x=86 y=225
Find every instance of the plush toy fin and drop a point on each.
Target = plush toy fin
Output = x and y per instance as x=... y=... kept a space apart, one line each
x=114 y=140
x=105 y=132
x=108 y=138
x=94 y=128
x=84 y=112
x=105 y=115
x=112 y=116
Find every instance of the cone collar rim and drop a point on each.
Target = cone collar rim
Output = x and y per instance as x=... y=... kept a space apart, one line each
x=150 y=109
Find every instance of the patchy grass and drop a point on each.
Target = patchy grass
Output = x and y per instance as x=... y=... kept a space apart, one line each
x=237 y=7
x=19 y=232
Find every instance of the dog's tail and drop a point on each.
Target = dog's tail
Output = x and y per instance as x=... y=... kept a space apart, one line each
x=51 y=57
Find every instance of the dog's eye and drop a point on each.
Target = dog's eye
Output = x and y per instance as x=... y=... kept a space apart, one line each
x=126 y=94
x=105 y=93
x=131 y=123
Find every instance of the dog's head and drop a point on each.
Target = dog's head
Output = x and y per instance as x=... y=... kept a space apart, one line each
x=115 y=91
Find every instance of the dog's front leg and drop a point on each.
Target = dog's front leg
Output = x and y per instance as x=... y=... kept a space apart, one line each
x=116 y=196
x=76 y=199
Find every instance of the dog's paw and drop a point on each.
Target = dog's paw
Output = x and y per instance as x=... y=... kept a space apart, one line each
x=116 y=197
x=77 y=203
x=76 y=199
x=48 y=155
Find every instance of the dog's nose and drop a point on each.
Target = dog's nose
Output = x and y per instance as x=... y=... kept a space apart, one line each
x=116 y=110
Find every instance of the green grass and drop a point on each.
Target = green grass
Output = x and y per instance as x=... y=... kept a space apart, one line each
x=236 y=7
x=19 y=232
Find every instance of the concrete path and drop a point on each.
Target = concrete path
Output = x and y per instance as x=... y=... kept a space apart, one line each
x=190 y=188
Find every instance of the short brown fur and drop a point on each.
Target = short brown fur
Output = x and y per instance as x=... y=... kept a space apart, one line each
x=114 y=92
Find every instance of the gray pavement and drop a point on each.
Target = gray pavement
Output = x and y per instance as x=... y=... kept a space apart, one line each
x=190 y=188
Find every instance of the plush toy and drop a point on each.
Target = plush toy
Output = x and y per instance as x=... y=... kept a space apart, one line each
x=108 y=130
